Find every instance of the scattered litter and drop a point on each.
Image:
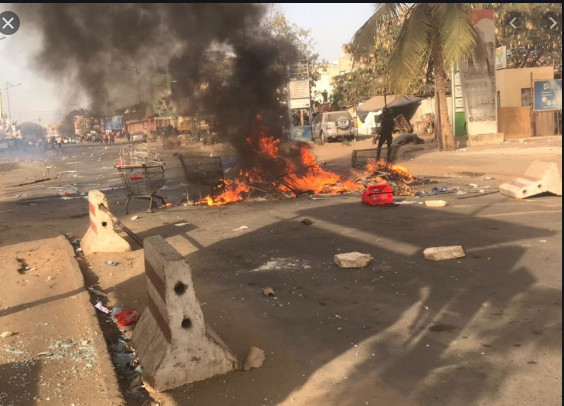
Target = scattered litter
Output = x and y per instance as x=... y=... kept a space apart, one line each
x=405 y=202
x=101 y=307
x=254 y=359
x=473 y=185
x=435 y=203
x=97 y=292
x=44 y=354
x=135 y=217
x=352 y=260
x=442 y=253
x=542 y=240
x=241 y=228
x=5 y=334
x=78 y=250
x=127 y=318
x=167 y=205
x=181 y=224
x=436 y=191
x=111 y=263
x=137 y=381
x=488 y=178
x=124 y=359
x=307 y=221
x=268 y=292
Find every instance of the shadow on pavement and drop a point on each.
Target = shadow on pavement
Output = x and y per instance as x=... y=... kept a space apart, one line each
x=403 y=330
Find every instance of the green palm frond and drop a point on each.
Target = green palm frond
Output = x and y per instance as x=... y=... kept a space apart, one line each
x=363 y=39
x=412 y=48
x=459 y=38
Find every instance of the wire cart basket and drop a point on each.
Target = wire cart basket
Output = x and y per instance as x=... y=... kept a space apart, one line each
x=142 y=175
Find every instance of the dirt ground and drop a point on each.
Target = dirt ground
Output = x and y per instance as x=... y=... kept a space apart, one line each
x=481 y=330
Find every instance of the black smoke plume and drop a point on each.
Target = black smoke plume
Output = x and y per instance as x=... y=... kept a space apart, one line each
x=221 y=59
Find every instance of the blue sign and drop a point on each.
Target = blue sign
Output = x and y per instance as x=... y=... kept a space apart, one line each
x=114 y=123
x=548 y=95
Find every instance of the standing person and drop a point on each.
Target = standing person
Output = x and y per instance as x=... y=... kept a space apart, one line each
x=60 y=143
x=386 y=130
x=112 y=138
x=128 y=136
x=104 y=138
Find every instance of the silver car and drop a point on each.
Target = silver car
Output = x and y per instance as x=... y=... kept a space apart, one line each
x=333 y=125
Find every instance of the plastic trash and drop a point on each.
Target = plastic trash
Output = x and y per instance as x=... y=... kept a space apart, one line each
x=127 y=318
x=111 y=263
x=101 y=307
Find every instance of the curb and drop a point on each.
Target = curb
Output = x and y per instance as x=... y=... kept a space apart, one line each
x=105 y=364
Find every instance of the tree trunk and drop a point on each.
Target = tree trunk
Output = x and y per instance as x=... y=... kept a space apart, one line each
x=446 y=139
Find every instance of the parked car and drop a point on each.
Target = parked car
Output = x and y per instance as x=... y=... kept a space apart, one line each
x=334 y=125
x=138 y=136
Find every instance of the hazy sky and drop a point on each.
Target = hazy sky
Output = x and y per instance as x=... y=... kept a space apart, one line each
x=38 y=97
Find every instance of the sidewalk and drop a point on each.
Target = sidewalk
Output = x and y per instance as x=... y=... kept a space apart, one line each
x=504 y=162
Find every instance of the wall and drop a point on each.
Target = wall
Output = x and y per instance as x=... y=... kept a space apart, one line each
x=514 y=122
x=511 y=81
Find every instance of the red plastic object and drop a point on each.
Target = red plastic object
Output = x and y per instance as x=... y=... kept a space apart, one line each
x=378 y=195
x=127 y=318
x=136 y=176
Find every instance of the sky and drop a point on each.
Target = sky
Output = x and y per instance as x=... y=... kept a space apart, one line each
x=40 y=99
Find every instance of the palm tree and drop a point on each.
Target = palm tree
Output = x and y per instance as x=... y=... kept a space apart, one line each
x=431 y=34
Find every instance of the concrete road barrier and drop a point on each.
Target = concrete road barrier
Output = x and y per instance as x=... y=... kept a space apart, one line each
x=540 y=177
x=173 y=343
x=100 y=236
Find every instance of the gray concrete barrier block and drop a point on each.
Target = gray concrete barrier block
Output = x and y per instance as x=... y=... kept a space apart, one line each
x=101 y=236
x=173 y=343
x=540 y=177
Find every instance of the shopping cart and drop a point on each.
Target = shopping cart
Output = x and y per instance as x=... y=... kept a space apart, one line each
x=142 y=174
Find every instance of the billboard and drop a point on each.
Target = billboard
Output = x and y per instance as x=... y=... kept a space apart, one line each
x=299 y=89
x=547 y=95
x=114 y=123
x=501 y=57
x=162 y=105
x=478 y=80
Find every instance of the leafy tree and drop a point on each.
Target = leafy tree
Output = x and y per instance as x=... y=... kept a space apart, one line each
x=432 y=35
x=533 y=45
x=31 y=130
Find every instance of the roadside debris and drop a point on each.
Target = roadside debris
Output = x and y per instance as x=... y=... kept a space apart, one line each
x=268 y=292
x=135 y=217
x=111 y=263
x=5 y=334
x=241 y=228
x=97 y=292
x=436 y=191
x=181 y=224
x=540 y=177
x=435 y=203
x=254 y=359
x=378 y=195
x=442 y=253
x=101 y=307
x=127 y=319
x=352 y=260
x=307 y=222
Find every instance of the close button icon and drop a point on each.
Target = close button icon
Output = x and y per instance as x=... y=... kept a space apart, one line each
x=9 y=23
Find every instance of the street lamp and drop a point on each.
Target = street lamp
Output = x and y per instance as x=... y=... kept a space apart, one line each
x=8 y=87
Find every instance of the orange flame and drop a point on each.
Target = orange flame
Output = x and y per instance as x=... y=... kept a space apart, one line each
x=294 y=175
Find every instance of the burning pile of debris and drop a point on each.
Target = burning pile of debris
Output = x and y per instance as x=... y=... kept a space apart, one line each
x=399 y=179
x=291 y=172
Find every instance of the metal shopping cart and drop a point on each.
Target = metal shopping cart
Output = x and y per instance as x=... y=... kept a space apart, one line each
x=142 y=174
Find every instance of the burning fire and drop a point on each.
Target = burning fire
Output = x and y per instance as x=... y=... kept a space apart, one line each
x=292 y=175
x=374 y=166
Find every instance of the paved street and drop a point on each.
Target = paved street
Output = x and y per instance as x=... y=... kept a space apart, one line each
x=481 y=330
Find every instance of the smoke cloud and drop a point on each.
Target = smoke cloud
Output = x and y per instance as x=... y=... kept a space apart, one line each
x=91 y=44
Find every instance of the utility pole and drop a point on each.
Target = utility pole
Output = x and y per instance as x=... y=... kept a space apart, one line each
x=8 y=87
x=136 y=70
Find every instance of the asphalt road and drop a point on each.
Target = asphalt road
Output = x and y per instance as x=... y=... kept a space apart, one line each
x=482 y=330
